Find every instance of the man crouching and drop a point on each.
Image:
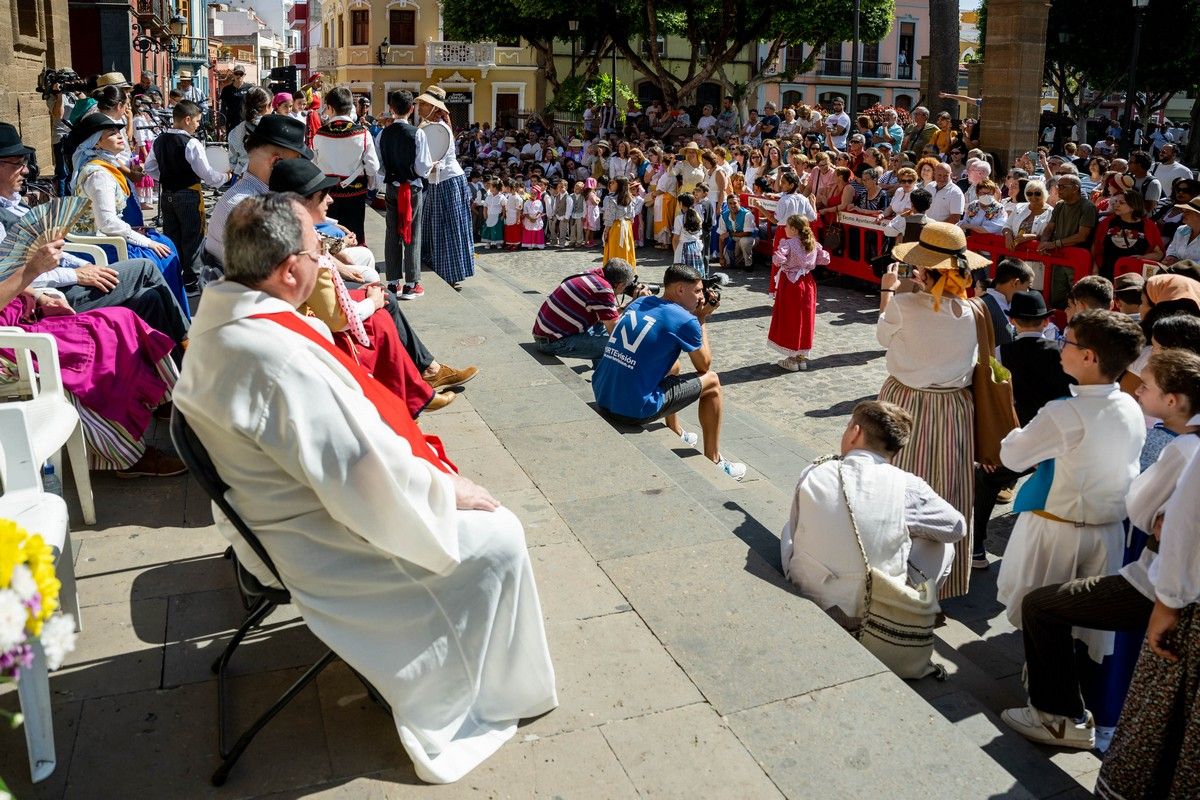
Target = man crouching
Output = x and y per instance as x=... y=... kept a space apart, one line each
x=418 y=578
x=638 y=381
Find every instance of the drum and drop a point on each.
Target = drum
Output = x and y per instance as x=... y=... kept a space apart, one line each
x=439 y=139
x=218 y=156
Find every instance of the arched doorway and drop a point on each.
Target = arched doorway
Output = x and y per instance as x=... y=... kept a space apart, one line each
x=648 y=92
x=903 y=101
x=826 y=99
x=792 y=97
x=709 y=94
x=866 y=100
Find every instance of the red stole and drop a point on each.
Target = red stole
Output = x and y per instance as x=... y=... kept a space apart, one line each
x=390 y=407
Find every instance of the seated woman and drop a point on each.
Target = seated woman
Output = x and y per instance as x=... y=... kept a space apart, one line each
x=116 y=368
x=361 y=324
x=98 y=177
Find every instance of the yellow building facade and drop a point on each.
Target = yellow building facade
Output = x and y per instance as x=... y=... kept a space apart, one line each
x=378 y=46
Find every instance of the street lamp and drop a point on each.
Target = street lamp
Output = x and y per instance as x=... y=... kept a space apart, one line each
x=854 y=61
x=1139 y=13
x=574 y=26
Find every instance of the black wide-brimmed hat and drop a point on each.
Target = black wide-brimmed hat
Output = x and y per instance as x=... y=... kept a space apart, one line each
x=299 y=175
x=92 y=124
x=1028 y=305
x=282 y=131
x=10 y=142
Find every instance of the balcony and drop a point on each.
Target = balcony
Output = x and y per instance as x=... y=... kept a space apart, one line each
x=297 y=15
x=475 y=55
x=834 y=68
x=154 y=13
x=323 y=58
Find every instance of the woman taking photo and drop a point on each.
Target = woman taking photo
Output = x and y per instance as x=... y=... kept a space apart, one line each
x=1125 y=232
x=928 y=329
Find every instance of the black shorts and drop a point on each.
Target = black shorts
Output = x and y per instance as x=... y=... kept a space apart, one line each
x=678 y=393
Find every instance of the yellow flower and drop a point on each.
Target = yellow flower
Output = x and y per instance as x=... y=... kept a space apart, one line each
x=18 y=546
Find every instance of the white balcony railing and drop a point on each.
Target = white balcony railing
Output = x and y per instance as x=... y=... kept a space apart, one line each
x=322 y=58
x=460 y=54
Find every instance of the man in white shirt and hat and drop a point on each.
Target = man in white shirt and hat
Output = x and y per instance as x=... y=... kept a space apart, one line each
x=191 y=92
x=413 y=574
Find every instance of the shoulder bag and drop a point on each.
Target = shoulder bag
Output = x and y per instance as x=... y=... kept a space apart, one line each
x=995 y=414
x=898 y=619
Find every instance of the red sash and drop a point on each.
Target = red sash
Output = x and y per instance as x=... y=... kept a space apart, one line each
x=404 y=212
x=390 y=407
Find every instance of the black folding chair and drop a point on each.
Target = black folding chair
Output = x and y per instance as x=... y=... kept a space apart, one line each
x=260 y=600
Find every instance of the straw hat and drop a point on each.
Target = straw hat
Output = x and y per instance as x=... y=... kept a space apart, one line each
x=185 y=74
x=603 y=143
x=1190 y=205
x=942 y=246
x=436 y=91
x=432 y=99
x=574 y=143
x=690 y=147
x=112 y=79
x=509 y=140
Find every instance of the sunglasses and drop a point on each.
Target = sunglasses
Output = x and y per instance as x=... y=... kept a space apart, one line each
x=907 y=180
x=1034 y=194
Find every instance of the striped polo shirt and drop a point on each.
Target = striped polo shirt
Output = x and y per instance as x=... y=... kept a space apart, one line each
x=577 y=304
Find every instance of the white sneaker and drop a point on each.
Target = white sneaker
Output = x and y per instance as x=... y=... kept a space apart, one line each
x=801 y=363
x=689 y=438
x=1052 y=729
x=733 y=469
x=788 y=364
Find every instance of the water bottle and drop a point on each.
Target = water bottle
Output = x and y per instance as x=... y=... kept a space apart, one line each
x=50 y=481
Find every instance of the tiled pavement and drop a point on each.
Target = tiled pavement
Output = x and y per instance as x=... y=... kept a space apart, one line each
x=686 y=667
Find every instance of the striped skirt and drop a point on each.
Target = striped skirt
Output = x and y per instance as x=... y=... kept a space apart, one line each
x=447 y=239
x=941 y=451
x=109 y=445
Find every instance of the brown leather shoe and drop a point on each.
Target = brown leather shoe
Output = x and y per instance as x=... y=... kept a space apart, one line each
x=440 y=400
x=154 y=463
x=449 y=378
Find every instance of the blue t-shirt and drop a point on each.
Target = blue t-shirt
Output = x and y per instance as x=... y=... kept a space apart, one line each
x=641 y=351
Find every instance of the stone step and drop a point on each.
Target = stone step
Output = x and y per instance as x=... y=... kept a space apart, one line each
x=696 y=557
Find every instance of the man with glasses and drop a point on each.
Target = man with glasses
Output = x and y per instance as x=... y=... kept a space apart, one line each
x=133 y=283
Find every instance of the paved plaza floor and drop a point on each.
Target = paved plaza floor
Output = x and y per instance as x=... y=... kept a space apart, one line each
x=686 y=665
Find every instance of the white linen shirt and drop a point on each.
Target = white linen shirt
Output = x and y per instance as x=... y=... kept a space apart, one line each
x=1176 y=571
x=1181 y=248
x=928 y=349
x=794 y=203
x=946 y=201
x=196 y=158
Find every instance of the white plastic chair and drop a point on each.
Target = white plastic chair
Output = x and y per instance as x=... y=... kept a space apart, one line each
x=117 y=242
x=47 y=419
x=89 y=252
x=39 y=512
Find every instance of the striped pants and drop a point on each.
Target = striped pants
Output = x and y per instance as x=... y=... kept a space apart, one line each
x=941 y=451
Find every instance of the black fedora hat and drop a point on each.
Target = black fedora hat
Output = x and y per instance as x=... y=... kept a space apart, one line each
x=281 y=131
x=299 y=175
x=1028 y=305
x=10 y=142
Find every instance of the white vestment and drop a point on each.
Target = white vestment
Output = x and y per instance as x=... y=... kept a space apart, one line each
x=435 y=607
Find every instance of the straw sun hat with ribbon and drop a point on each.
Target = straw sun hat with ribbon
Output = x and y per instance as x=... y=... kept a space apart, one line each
x=943 y=248
x=434 y=96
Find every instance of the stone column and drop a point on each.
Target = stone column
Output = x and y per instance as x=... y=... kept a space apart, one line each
x=1012 y=76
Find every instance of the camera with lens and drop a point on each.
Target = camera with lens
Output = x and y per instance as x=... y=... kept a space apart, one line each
x=712 y=288
x=55 y=81
x=634 y=290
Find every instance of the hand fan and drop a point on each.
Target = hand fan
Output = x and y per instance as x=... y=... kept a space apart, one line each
x=45 y=223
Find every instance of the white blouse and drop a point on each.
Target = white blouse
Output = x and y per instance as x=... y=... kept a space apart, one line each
x=1181 y=248
x=928 y=349
x=108 y=201
x=1017 y=218
x=1176 y=571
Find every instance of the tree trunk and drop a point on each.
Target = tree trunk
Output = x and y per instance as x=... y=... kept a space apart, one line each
x=943 y=54
x=1192 y=156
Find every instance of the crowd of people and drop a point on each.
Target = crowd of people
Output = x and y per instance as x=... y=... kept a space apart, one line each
x=314 y=411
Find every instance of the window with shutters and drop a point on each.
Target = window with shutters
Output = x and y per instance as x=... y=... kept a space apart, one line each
x=402 y=27
x=360 y=27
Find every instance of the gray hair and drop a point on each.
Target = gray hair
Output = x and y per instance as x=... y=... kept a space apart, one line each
x=981 y=165
x=618 y=271
x=874 y=173
x=261 y=232
x=921 y=110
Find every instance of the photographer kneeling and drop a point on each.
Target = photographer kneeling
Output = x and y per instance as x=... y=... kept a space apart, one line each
x=578 y=316
x=638 y=379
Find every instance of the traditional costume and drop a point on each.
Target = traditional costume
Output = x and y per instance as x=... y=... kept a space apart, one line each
x=493 y=223
x=794 y=315
x=533 y=222
x=449 y=247
x=344 y=150
x=618 y=233
x=435 y=607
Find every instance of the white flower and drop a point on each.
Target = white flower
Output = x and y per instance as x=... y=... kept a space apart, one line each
x=23 y=583
x=12 y=620
x=58 y=639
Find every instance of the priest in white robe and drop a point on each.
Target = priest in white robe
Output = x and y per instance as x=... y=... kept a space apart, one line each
x=418 y=578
